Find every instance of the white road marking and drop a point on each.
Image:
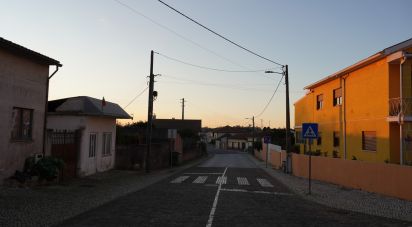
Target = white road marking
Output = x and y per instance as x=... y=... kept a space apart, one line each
x=200 y=180
x=221 y=180
x=264 y=183
x=213 y=210
x=203 y=173
x=179 y=180
x=256 y=192
x=242 y=181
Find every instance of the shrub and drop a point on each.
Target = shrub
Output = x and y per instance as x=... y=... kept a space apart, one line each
x=47 y=168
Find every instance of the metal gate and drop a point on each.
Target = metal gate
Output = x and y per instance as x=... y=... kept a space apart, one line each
x=65 y=145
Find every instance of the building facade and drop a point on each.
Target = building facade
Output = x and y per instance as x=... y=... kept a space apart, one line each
x=24 y=76
x=364 y=111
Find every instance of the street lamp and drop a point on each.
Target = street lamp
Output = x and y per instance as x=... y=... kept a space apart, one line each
x=285 y=73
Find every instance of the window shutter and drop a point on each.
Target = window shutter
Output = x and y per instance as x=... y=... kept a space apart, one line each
x=337 y=93
x=369 y=140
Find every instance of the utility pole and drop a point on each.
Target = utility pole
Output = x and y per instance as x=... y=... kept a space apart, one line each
x=149 y=116
x=289 y=162
x=183 y=108
x=261 y=123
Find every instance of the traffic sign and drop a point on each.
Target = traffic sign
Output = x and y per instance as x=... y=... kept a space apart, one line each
x=309 y=130
x=266 y=139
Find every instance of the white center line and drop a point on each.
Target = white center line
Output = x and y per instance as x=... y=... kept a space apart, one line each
x=213 y=210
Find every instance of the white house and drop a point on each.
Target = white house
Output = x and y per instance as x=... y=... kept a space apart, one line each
x=24 y=81
x=96 y=121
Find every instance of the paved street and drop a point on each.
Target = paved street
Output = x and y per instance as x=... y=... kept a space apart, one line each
x=227 y=189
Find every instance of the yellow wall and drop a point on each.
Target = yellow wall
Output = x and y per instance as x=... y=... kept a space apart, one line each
x=366 y=100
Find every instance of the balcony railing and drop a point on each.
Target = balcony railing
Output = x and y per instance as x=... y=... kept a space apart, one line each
x=400 y=106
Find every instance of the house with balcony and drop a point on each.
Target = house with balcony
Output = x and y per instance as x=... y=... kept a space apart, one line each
x=364 y=111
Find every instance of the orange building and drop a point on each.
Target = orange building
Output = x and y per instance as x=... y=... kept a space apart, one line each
x=364 y=111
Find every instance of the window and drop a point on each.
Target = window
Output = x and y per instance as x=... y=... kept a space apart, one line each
x=336 y=139
x=92 y=145
x=319 y=139
x=369 y=140
x=319 y=102
x=22 y=124
x=107 y=143
x=337 y=97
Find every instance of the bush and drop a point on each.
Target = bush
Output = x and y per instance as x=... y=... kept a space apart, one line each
x=47 y=168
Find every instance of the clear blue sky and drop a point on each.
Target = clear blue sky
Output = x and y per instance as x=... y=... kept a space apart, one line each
x=105 y=49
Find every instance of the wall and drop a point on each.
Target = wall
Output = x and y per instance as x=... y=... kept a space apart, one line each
x=22 y=84
x=387 y=179
x=275 y=157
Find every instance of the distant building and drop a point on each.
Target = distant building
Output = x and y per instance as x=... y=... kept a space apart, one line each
x=364 y=111
x=24 y=81
x=95 y=120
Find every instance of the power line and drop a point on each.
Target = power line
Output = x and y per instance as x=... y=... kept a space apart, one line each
x=137 y=96
x=177 y=34
x=219 y=35
x=209 y=68
x=270 y=100
x=231 y=86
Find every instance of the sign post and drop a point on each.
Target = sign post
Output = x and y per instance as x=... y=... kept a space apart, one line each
x=310 y=131
x=266 y=140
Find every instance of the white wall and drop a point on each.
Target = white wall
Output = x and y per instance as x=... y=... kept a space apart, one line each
x=89 y=165
x=22 y=84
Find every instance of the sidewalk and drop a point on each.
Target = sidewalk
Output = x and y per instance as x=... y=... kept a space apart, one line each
x=45 y=206
x=343 y=198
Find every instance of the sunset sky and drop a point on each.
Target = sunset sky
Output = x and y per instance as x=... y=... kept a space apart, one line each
x=105 y=46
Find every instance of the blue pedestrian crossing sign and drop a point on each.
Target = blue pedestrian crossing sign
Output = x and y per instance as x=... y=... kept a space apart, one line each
x=309 y=130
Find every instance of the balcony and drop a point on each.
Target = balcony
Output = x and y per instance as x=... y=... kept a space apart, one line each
x=400 y=109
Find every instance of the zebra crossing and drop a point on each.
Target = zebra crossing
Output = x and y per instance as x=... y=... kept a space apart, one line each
x=221 y=180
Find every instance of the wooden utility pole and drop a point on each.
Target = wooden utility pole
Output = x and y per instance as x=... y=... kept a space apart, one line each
x=287 y=147
x=149 y=116
x=183 y=108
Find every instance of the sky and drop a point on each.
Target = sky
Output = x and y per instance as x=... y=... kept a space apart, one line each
x=105 y=45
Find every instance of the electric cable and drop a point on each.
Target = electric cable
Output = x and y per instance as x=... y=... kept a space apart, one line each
x=209 y=68
x=270 y=100
x=137 y=96
x=219 y=35
x=179 y=35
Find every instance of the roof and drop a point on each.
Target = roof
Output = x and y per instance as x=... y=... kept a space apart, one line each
x=228 y=129
x=27 y=53
x=242 y=136
x=195 y=125
x=86 y=106
x=381 y=54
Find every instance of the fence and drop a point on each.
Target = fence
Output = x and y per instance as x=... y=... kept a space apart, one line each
x=388 y=179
